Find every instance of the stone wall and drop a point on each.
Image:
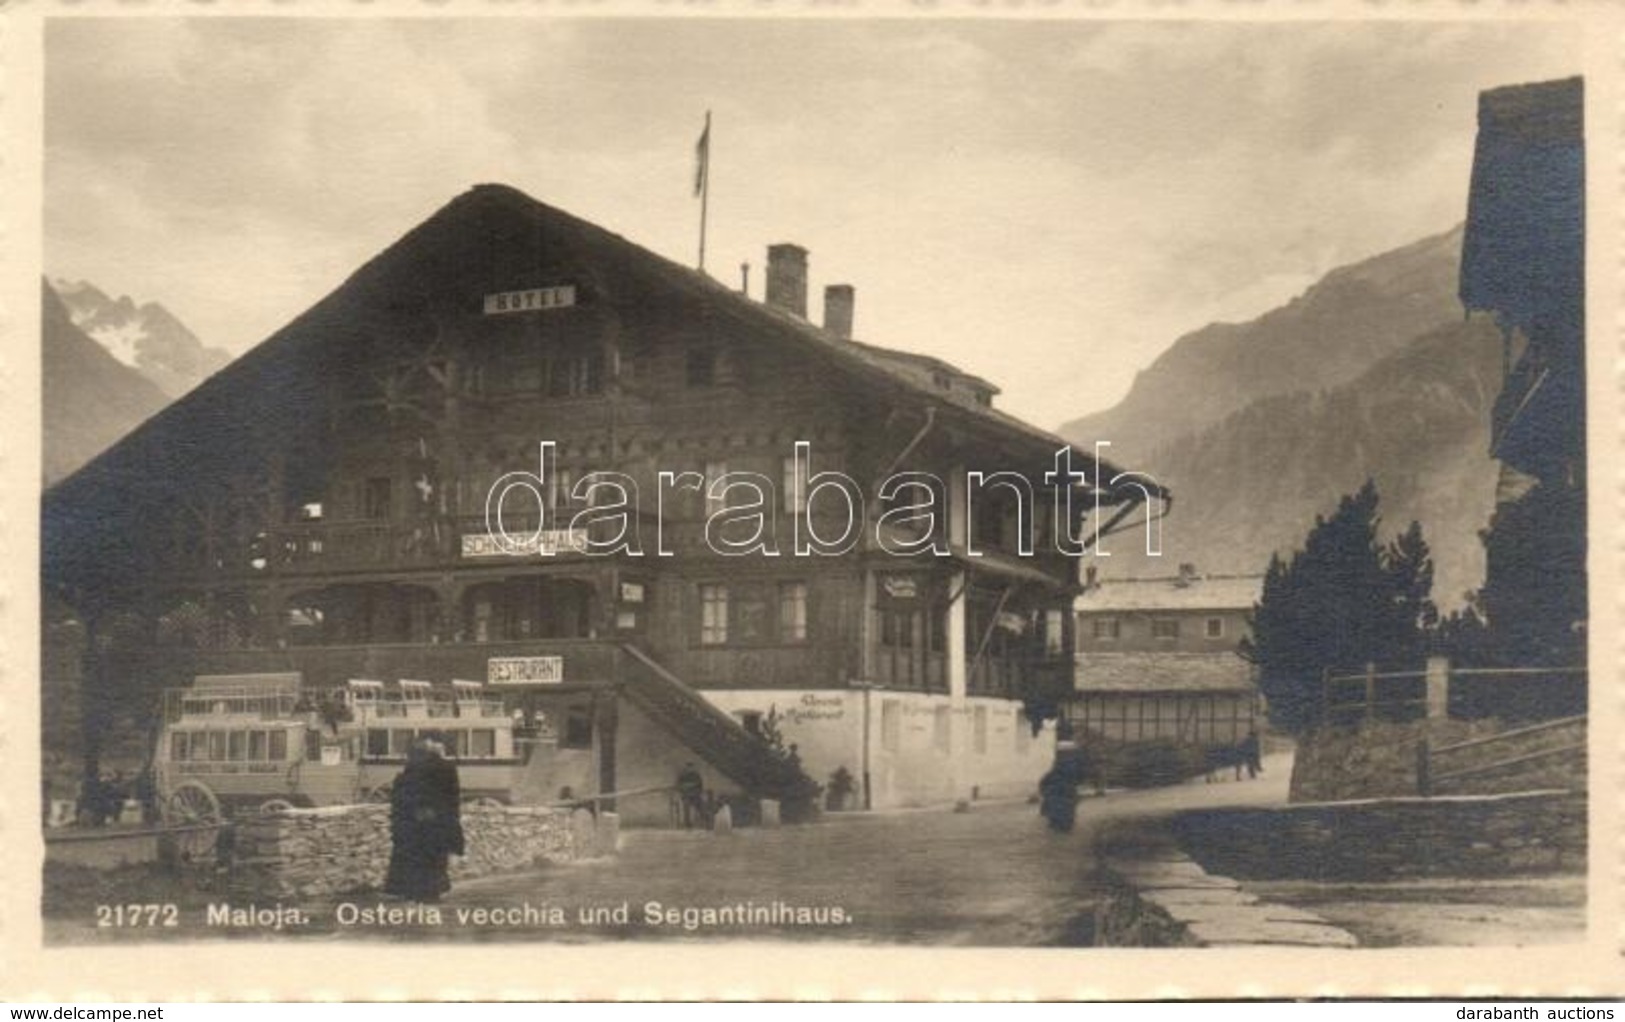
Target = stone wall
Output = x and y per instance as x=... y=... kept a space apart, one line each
x=301 y=853
x=1375 y=760
x=1378 y=759
x=1391 y=839
x=1552 y=755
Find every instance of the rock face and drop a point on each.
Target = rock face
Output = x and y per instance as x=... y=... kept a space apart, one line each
x=89 y=399
x=146 y=337
x=1256 y=428
x=306 y=853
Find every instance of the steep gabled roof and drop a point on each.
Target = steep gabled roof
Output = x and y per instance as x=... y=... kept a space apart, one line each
x=1174 y=592
x=1145 y=673
x=234 y=416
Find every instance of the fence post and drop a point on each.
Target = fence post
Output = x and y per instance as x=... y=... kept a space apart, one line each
x=1438 y=687
x=1370 y=690
x=1424 y=769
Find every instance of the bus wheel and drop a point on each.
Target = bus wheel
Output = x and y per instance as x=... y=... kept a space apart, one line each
x=195 y=808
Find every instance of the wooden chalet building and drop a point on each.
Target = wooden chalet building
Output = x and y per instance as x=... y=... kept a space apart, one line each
x=1523 y=259
x=320 y=507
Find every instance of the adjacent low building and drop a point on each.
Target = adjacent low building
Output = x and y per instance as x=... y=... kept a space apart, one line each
x=1158 y=666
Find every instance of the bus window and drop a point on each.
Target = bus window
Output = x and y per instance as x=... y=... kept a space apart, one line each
x=217 y=746
x=377 y=742
x=177 y=746
x=237 y=745
x=459 y=744
x=256 y=745
x=400 y=742
x=482 y=743
x=278 y=746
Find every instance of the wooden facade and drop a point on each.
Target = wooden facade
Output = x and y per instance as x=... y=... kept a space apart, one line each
x=321 y=505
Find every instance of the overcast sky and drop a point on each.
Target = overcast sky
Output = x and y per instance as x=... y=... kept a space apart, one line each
x=1048 y=204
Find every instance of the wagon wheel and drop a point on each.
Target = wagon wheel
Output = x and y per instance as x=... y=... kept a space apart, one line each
x=192 y=804
x=272 y=806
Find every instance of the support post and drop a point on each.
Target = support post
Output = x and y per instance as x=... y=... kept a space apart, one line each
x=1438 y=687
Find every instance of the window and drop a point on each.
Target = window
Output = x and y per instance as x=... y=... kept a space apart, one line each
x=1107 y=628
x=375 y=500
x=558 y=491
x=217 y=746
x=256 y=745
x=795 y=485
x=400 y=742
x=701 y=367
x=713 y=615
x=1215 y=627
x=278 y=750
x=576 y=375
x=577 y=729
x=792 y=611
x=1165 y=628
x=897 y=628
x=749 y=609
x=482 y=743
x=714 y=501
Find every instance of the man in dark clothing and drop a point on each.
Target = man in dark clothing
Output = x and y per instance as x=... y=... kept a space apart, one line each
x=691 y=792
x=1250 y=753
x=425 y=823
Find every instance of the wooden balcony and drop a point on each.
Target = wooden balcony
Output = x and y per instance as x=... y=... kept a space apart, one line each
x=582 y=662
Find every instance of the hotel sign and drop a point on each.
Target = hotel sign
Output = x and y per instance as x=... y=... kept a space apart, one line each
x=536 y=299
x=546 y=543
x=525 y=670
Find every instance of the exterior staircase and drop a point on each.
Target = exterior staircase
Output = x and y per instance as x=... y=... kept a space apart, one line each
x=713 y=735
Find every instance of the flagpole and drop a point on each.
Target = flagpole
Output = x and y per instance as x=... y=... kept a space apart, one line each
x=705 y=187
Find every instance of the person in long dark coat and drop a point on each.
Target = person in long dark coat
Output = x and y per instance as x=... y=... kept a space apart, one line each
x=425 y=823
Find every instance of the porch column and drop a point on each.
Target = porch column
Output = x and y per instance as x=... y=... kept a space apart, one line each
x=958 y=537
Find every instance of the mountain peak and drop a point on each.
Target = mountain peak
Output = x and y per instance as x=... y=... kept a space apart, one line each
x=145 y=337
x=1344 y=323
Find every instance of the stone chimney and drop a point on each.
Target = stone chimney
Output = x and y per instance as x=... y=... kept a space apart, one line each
x=838 y=300
x=787 y=278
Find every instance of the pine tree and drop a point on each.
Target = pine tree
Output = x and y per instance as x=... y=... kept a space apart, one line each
x=1341 y=602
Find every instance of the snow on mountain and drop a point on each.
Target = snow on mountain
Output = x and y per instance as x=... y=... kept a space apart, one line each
x=146 y=337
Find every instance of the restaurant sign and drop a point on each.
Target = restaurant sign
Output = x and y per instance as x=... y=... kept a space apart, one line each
x=525 y=670
x=536 y=299
x=545 y=543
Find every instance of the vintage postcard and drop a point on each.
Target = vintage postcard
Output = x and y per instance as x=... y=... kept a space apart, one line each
x=804 y=501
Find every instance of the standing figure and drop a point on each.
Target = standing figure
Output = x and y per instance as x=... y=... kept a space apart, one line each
x=425 y=823
x=691 y=791
x=1251 y=753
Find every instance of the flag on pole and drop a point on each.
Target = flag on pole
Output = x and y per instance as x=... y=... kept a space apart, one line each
x=702 y=157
